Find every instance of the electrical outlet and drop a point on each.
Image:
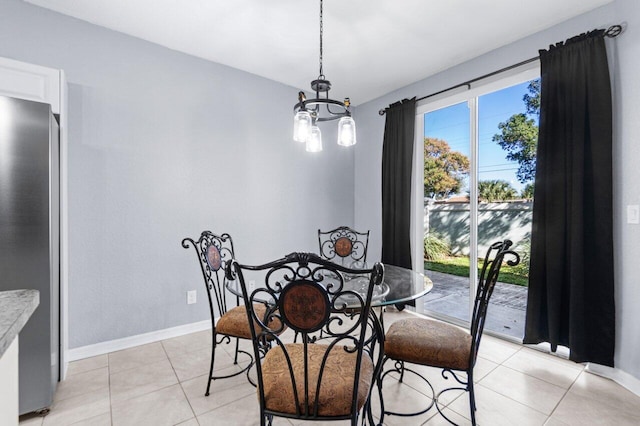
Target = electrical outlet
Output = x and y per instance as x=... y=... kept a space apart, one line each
x=191 y=297
x=252 y=286
x=633 y=214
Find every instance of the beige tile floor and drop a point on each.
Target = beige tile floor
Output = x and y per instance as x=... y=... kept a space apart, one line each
x=163 y=383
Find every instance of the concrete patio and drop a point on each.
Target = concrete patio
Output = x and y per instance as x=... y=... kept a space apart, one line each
x=450 y=297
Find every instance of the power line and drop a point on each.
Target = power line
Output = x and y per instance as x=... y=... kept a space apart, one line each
x=497 y=170
x=498 y=165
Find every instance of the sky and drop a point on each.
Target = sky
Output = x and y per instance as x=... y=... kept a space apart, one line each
x=452 y=125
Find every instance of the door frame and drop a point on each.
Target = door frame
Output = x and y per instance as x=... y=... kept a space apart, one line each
x=470 y=94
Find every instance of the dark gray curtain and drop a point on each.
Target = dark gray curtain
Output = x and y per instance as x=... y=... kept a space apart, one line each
x=571 y=294
x=397 y=157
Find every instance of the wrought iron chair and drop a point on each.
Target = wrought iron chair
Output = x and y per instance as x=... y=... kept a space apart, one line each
x=318 y=379
x=214 y=252
x=436 y=344
x=344 y=243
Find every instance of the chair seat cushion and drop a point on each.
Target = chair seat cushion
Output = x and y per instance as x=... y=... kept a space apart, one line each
x=336 y=389
x=235 y=323
x=428 y=342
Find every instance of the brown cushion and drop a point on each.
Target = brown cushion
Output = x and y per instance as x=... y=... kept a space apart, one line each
x=336 y=389
x=427 y=342
x=235 y=323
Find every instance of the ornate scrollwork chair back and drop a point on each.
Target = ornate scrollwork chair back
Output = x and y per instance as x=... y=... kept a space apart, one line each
x=213 y=253
x=344 y=244
x=328 y=377
x=487 y=280
x=436 y=344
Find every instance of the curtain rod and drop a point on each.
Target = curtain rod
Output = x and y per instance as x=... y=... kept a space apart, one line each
x=611 y=32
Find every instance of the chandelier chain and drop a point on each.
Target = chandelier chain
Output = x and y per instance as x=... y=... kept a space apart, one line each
x=321 y=76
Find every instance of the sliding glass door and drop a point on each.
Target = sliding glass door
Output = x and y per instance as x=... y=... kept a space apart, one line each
x=479 y=164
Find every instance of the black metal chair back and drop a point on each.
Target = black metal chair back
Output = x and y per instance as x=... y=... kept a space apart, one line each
x=486 y=283
x=214 y=252
x=344 y=244
x=308 y=294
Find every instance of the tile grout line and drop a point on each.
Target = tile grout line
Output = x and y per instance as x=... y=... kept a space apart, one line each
x=565 y=394
x=229 y=403
x=538 y=378
x=148 y=392
x=537 y=410
x=513 y=354
x=526 y=405
x=179 y=382
x=519 y=402
x=109 y=381
x=546 y=381
x=506 y=396
x=587 y=373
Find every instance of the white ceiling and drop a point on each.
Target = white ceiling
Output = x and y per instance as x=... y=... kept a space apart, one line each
x=371 y=47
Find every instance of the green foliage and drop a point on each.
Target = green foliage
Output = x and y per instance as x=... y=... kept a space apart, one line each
x=527 y=192
x=443 y=169
x=435 y=247
x=460 y=266
x=496 y=190
x=519 y=137
x=519 y=134
x=532 y=99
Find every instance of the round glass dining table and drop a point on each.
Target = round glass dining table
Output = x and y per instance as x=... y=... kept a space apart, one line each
x=404 y=285
x=399 y=286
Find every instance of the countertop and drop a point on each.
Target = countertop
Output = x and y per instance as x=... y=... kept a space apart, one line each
x=16 y=307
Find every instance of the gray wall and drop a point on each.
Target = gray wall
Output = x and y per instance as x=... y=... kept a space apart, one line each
x=163 y=145
x=625 y=62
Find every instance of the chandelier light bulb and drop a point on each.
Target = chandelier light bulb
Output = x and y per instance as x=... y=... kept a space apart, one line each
x=301 y=126
x=314 y=142
x=346 y=131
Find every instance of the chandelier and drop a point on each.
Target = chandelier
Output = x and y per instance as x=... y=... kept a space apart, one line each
x=309 y=112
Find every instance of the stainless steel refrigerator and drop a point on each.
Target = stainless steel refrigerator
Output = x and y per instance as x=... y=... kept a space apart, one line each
x=30 y=238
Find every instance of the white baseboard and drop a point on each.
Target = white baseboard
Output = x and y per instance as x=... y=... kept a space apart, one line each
x=624 y=379
x=131 y=341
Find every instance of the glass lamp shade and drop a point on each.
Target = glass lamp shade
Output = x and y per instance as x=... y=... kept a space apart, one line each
x=346 y=131
x=314 y=142
x=301 y=126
